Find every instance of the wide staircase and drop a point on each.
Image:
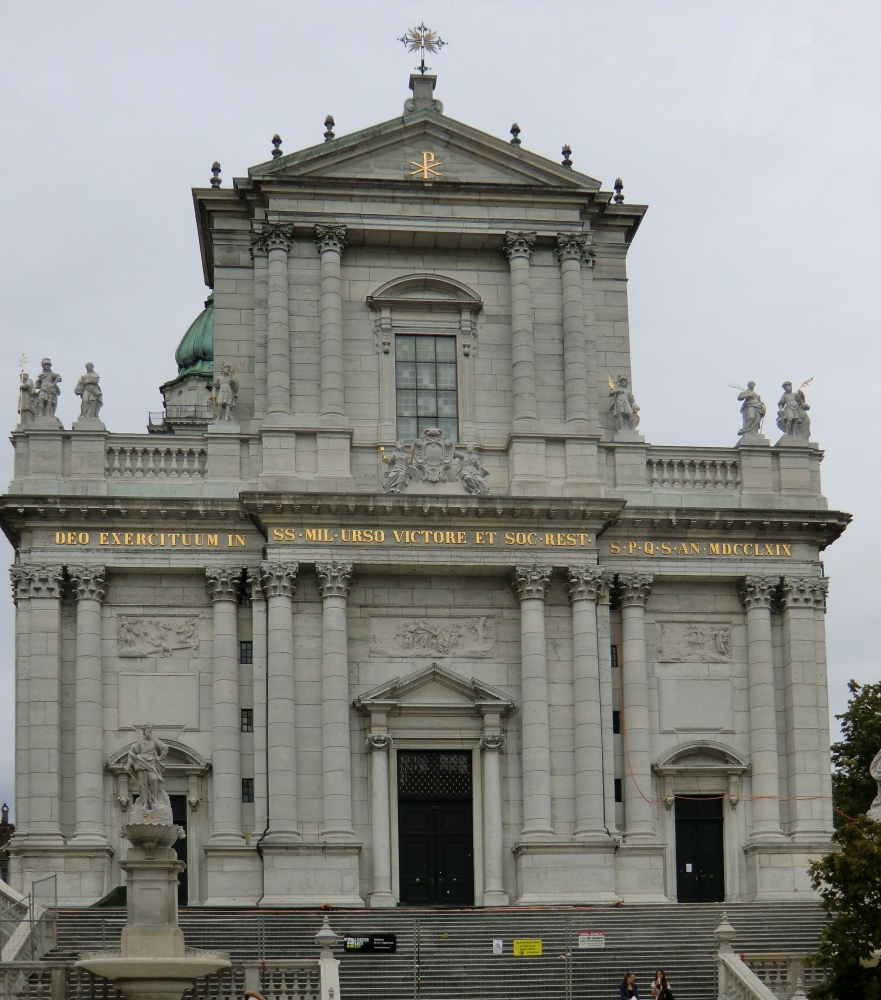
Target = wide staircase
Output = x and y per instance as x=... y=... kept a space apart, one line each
x=449 y=953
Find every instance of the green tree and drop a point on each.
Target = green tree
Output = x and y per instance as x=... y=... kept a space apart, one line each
x=849 y=879
x=853 y=787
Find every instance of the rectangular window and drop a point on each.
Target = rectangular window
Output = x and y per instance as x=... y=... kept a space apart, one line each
x=616 y=723
x=246 y=651
x=619 y=790
x=247 y=720
x=247 y=789
x=614 y=657
x=426 y=386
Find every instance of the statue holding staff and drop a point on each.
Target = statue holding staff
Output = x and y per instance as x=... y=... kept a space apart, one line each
x=89 y=391
x=753 y=409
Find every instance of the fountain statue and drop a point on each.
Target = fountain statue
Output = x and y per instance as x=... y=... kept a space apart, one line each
x=153 y=962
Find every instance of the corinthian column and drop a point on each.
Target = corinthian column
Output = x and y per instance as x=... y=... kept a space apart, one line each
x=334 y=580
x=21 y=595
x=226 y=756
x=633 y=595
x=277 y=241
x=531 y=584
x=89 y=588
x=279 y=585
x=491 y=745
x=44 y=721
x=586 y=585
x=519 y=248
x=331 y=241
x=570 y=250
x=758 y=596
x=380 y=822
x=803 y=599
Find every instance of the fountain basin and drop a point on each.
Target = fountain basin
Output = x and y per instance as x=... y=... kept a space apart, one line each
x=154 y=978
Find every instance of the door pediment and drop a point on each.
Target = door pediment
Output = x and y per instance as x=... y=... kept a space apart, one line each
x=435 y=690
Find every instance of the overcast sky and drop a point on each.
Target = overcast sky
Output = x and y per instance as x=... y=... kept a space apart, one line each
x=750 y=129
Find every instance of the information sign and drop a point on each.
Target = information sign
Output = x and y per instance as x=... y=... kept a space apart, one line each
x=371 y=942
x=591 y=939
x=528 y=947
x=498 y=946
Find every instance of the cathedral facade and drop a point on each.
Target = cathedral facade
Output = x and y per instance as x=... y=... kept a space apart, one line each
x=415 y=611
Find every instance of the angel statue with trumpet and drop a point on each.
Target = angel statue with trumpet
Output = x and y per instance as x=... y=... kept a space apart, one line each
x=792 y=415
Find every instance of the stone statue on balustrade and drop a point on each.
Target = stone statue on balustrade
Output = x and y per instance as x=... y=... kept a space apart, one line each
x=146 y=763
x=225 y=391
x=27 y=399
x=623 y=408
x=89 y=391
x=874 y=810
x=399 y=461
x=47 y=391
x=752 y=412
x=471 y=473
x=792 y=414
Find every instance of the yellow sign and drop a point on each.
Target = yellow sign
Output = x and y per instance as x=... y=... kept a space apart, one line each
x=427 y=168
x=718 y=548
x=154 y=539
x=528 y=947
x=426 y=536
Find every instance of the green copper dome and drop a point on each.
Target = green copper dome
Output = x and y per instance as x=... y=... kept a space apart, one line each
x=195 y=353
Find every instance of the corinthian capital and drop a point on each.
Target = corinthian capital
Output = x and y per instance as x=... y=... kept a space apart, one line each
x=633 y=589
x=222 y=583
x=88 y=582
x=334 y=578
x=571 y=246
x=804 y=591
x=36 y=581
x=279 y=579
x=274 y=236
x=758 y=591
x=532 y=581
x=519 y=245
x=330 y=238
x=587 y=583
x=255 y=583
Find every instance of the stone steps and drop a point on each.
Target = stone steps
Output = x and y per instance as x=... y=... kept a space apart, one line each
x=455 y=946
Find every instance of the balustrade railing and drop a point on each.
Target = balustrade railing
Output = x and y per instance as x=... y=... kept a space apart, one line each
x=678 y=470
x=781 y=972
x=174 y=460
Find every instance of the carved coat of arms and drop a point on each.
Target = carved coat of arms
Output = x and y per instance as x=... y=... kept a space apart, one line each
x=433 y=456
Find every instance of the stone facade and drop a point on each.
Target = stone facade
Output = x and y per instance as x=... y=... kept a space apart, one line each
x=292 y=600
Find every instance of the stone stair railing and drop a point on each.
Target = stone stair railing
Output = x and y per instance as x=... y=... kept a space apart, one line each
x=759 y=976
x=273 y=979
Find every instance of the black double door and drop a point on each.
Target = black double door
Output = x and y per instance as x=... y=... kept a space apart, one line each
x=700 y=855
x=435 y=837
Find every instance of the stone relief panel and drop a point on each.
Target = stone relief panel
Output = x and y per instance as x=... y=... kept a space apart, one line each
x=474 y=636
x=139 y=635
x=688 y=642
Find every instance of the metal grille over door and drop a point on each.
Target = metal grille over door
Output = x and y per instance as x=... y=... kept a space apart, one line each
x=435 y=828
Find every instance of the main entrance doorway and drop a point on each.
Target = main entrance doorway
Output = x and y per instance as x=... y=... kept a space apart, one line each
x=179 y=816
x=700 y=854
x=434 y=828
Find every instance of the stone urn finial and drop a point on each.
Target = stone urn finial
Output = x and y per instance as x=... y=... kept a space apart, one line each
x=326 y=938
x=724 y=933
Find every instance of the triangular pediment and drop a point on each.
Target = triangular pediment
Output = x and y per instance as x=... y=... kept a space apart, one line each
x=437 y=687
x=398 y=149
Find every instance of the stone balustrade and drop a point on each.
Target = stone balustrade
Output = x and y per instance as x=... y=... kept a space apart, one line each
x=147 y=459
x=781 y=972
x=693 y=469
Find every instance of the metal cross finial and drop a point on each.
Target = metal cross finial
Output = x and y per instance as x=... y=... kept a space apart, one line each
x=422 y=40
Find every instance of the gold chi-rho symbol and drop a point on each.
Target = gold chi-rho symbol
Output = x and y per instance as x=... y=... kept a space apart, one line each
x=427 y=168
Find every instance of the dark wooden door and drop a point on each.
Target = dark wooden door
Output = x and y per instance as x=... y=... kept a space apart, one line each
x=435 y=840
x=700 y=854
x=436 y=851
x=179 y=815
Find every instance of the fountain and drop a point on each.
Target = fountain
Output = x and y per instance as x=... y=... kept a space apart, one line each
x=153 y=962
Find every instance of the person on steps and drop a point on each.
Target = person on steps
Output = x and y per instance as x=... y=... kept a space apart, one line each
x=628 y=987
x=663 y=990
x=657 y=983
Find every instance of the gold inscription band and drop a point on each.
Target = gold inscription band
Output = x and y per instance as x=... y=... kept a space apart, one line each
x=153 y=539
x=761 y=549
